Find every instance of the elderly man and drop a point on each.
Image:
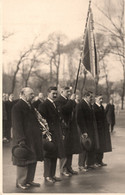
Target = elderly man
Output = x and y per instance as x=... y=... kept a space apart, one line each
x=26 y=132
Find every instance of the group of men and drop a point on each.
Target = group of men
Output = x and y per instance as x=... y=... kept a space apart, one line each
x=68 y=119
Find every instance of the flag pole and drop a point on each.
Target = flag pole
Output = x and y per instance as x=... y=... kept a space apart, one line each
x=81 y=53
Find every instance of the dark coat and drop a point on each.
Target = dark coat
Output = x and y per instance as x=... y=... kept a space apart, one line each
x=9 y=106
x=70 y=131
x=36 y=104
x=110 y=113
x=87 y=122
x=74 y=134
x=50 y=113
x=26 y=127
x=103 y=131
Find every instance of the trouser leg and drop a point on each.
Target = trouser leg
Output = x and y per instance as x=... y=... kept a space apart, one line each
x=31 y=172
x=4 y=128
x=8 y=131
x=47 y=167
x=68 y=164
x=112 y=127
x=53 y=167
x=62 y=163
x=91 y=158
x=99 y=157
x=22 y=175
x=82 y=159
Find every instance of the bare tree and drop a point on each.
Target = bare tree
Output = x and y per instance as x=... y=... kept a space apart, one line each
x=23 y=56
x=114 y=26
x=53 y=51
x=6 y=36
x=103 y=49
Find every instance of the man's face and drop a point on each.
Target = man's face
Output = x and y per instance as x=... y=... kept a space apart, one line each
x=4 y=97
x=53 y=94
x=90 y=98
x=29 y=95
x=66 y=93
x=41 y=96
x=99 y=100
x=11 y=97
x=77 y=98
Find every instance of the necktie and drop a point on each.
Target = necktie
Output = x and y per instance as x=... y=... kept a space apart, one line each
x=54 y=104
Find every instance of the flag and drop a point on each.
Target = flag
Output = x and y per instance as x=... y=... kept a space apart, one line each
x=89 y=55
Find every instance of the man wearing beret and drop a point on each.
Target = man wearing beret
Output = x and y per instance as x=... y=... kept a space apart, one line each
x=49 y=111
x=26 y=132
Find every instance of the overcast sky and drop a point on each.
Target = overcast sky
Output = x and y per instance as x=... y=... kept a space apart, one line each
x=30 y=18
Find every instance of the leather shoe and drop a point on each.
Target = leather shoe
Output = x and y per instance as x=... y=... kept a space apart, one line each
x=49 y=180
x=21 y=186
x=33 y=184
x=83 y=169
x=66 y=174
x=57 y=178
x=103 y=164
x=73 y=172
x=91 y=167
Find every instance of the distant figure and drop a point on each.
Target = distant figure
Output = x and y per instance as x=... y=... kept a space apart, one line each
x=4 y=117
x=110 y=114
x=38 y=101
x=9 y=105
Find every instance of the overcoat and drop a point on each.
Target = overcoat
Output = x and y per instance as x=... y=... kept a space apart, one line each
x=50 y=113
x=87 y=123
x=9 y=106
x=102 y=127
x=26 y=127
x=68 y=115
x=36 y=104
x=110 y=113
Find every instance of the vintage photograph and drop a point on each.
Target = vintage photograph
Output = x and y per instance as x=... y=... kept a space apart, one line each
x=63 y=96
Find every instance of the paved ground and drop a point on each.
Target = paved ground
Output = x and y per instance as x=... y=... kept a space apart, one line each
x=110 y=179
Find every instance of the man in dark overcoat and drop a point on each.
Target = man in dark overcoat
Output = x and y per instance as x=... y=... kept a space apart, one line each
x=26 y=132
x=49 y=112
x=4 y=117
x=110 y=114
x=103 y=131
x=39 y=101
x=9 y=105
x=87 y=124
x=65 y=104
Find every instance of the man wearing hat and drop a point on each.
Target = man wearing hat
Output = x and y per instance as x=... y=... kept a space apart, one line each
x=66 y=103
x=87 y=124
x=27 y=140
x=55 y=148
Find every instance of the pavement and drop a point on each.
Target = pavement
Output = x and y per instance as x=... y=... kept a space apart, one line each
x=109 y=179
